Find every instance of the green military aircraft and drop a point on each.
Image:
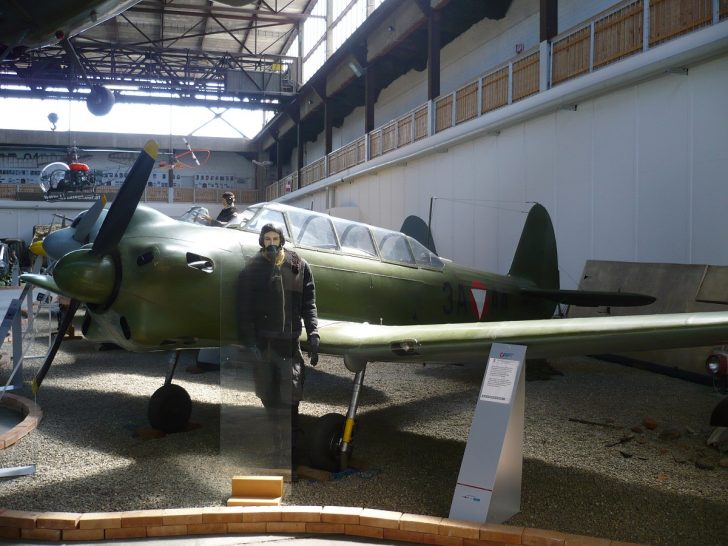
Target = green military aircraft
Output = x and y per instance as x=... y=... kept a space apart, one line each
x=381 y=296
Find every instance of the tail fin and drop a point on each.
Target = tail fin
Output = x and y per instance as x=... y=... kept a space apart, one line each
x=536 y=258
x=415 y=227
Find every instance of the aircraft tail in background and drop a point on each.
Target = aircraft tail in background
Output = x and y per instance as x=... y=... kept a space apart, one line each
x=536 y=258
x=415 y=227
x=537 y=261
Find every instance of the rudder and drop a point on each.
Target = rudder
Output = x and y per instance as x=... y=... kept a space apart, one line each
x=536 y=258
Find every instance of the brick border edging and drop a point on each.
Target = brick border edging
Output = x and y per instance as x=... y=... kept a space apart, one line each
x=315 y=520
x=33 y=416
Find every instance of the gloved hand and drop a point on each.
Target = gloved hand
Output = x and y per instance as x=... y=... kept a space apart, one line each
x=313 y=343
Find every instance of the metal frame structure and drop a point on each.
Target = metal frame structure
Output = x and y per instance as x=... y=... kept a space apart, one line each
x=168 y=52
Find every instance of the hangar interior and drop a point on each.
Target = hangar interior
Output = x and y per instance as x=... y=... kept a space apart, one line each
x=461 y=112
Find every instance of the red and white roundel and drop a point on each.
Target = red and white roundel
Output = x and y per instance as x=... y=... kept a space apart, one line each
x=479 y=300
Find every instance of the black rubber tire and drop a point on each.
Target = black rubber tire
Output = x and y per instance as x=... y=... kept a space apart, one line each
x=324 y=441
x=100 y=101
x=719 y=417
x=170 y=408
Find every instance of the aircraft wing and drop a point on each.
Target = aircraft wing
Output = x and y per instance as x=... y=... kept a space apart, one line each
x=544 y=338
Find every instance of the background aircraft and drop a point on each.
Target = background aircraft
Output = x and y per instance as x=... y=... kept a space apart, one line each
x=381 y=297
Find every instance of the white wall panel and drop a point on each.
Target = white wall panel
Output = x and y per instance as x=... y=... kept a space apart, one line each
x=708 y=88
x=709 y=174
x=511 y=189
x=612 y=171
x=539 y=160
x=663 y=188
x=573 y=211
x=486 y=207
x=709 y=208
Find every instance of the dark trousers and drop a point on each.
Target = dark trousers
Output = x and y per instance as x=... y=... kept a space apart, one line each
x=279 y=377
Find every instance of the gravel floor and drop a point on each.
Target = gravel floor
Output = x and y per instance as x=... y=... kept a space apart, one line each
x=94 y=450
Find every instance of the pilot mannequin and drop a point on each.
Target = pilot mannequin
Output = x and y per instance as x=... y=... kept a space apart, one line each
x=277 y=294
x=228 y=212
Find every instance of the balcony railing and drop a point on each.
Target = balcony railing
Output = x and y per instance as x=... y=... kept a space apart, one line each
x=625 y=29
x=33 y=192
x=283 y=186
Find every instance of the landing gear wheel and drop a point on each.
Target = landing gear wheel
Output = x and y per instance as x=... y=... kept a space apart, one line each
x=325 y=441
x=719 y=417
x=100 y=100
x=170 y=408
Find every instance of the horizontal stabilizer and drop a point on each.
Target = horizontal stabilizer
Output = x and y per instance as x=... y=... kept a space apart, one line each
x=587 y=298
x=42 y=281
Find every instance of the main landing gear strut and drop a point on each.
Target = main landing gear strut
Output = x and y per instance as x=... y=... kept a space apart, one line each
x=330 y=440
x=170 y=406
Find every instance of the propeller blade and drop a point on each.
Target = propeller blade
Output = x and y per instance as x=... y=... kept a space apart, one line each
x=67 y=319
x=192 y=152
x=125 y=203
x=83 y=229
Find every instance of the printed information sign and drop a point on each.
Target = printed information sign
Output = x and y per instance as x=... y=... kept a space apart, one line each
x=489 y=483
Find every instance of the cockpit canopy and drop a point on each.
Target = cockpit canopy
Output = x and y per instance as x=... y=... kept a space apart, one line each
x=319 y=231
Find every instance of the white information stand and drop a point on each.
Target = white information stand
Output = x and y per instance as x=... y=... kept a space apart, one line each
x=489 y=483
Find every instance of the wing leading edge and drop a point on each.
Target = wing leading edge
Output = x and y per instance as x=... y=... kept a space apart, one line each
x=544 y=338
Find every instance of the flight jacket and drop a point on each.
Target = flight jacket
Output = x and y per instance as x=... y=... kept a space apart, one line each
x=274 y=300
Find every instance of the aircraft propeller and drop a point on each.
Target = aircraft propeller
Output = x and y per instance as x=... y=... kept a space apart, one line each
x=85 y=275
x=58 y=243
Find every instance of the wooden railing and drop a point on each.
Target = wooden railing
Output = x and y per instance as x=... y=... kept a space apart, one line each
x=33 y=192
x=526 y=76
x=283 y=186
x=570 y=56
x=160 y=195
x=466 y=103
x=389 y=137
x=618 y=34
x=671 y=18
x=608 y=37
x=348 y=156
x=495 y=90
x=420 y=121
x=313 y=172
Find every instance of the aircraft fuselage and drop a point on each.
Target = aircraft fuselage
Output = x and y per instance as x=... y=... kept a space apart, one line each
x=176 y=286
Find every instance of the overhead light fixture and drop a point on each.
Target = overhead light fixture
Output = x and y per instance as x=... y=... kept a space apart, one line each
x=356 y=69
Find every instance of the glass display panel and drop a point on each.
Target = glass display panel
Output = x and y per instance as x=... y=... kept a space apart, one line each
x=257 y=367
